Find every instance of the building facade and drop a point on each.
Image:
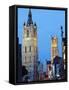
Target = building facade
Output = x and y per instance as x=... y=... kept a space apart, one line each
x=40 y=71
x=29 y=47
x=49 y=70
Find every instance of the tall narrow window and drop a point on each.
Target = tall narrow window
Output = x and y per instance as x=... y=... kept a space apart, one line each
x=30 y=59
x=27 y=33
x=34 y=33
x=25 y=59
x=25 y=49
x=29 y=48
x=34 y=59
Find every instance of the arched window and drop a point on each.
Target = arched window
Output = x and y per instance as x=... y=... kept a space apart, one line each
x=34 y=33
x=30 y=59
x=29 y=48
x=25 y=60
x=25 y=49
x=27 y=33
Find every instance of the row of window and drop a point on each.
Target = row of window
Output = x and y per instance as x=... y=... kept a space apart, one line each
x=29 y=49
x=28 y=33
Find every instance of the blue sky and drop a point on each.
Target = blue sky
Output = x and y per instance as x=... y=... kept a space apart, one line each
x=48 y=25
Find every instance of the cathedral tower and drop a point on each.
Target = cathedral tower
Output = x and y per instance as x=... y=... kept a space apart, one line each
x=29 y=47
x=54 y=48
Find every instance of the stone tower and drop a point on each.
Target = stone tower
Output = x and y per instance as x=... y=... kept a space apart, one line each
x=29 y=47
x=54 y=48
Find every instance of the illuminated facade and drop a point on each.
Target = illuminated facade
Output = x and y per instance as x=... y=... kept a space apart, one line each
x=54 y=48
x=29 y=47
x=63 y=52
x=49 y=70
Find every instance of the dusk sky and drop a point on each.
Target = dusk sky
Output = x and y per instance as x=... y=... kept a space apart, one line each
x=48 y=25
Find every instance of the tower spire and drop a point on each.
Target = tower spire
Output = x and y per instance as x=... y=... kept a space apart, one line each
x=29 y=18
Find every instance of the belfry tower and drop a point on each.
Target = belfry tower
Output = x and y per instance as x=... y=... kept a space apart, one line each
x=54 y=48
x=29 y=47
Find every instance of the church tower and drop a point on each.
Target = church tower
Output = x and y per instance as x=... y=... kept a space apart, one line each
x=54 y=48
x=29 y=47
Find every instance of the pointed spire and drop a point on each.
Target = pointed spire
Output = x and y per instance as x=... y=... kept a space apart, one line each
x=29 y=18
